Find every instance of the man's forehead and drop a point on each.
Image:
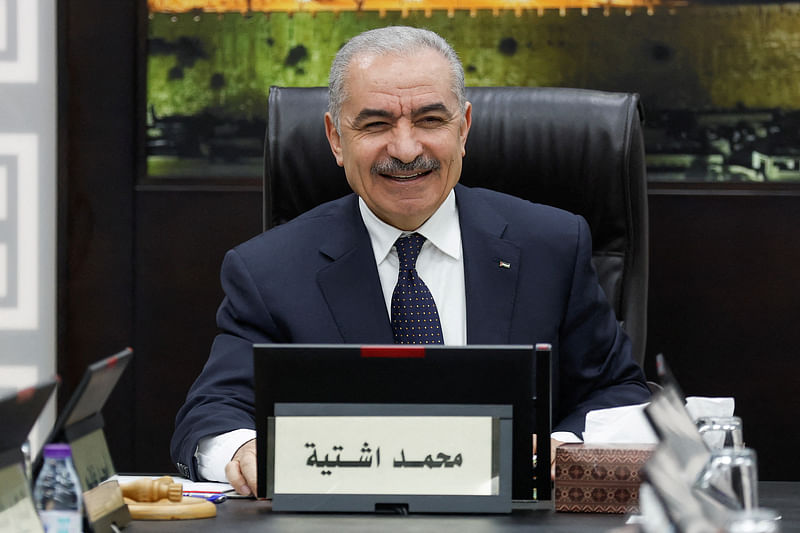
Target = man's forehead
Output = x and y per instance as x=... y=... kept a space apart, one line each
x=367 y=59
x=407 y=101
x=394 y=81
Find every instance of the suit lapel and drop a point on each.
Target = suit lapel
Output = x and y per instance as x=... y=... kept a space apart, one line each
x=350 y=283
x=491 y=267
x=352 y=289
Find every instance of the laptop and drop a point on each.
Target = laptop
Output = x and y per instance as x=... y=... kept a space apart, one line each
x=82 y=416
x=18 y=413
x=519 y=376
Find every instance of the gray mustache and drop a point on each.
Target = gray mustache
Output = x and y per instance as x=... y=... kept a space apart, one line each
x=391 y=166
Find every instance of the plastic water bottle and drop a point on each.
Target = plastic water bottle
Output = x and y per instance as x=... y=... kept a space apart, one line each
x=57 y=492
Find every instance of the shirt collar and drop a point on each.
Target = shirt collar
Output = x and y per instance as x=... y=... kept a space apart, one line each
x=441 y=229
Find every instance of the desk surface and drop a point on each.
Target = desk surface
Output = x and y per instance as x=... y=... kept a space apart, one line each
x=248 y=515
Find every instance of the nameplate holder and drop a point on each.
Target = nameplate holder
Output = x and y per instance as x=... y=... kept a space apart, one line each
x=338 y=457
x=106 y=510
x=90 y=452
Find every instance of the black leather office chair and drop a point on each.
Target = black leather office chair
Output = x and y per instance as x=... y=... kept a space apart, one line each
x=580 y=150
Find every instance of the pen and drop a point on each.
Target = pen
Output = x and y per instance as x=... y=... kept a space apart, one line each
x=213 y=498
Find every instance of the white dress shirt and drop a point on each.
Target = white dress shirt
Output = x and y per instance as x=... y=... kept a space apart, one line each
x=440 y=265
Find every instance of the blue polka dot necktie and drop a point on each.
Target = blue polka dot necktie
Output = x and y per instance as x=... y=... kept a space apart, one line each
x=415 y=319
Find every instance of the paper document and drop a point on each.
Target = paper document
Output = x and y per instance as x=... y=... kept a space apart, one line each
x=189 y=486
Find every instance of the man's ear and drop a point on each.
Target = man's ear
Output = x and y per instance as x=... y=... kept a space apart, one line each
x=466 y=122
x=334 y=139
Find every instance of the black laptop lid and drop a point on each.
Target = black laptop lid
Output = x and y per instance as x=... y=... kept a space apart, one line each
x=94 y=388
x=432 y=374
x=82 y=411
x=18 y=413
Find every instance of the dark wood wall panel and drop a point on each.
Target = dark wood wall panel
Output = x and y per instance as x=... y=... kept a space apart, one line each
x=724 y=307
x=181 y=239
x=96 y=60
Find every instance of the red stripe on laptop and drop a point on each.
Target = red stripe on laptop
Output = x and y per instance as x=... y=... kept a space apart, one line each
x=25 y=394
x=394 y=352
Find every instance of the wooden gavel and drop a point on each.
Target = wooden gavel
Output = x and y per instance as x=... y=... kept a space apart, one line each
x=153 y=490
x=162 y=499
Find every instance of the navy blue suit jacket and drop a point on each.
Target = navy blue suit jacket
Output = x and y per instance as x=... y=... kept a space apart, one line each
x=314 y=280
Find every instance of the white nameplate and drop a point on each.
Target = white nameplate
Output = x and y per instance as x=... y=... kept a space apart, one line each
x=422 y=455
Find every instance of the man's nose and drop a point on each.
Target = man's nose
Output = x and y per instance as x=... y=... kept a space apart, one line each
x=404 y=144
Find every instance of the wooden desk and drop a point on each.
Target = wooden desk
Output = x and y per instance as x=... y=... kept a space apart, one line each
x=248 y=515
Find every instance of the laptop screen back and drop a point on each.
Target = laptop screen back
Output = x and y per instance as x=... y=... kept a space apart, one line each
x=433 y=374
x=18 y=413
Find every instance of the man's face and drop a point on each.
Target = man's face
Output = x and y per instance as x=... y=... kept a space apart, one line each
x=402 y=135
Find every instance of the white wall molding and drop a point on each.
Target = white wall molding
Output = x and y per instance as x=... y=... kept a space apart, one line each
x=28 y=190
x=19 y=41
x=20 y=279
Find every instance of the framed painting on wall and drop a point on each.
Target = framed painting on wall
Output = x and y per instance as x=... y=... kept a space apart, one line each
x=719 y=87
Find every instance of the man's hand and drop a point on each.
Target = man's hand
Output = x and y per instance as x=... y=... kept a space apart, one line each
x=554 y=443
x=241 y=470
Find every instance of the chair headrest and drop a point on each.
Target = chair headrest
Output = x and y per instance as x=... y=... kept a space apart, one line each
x=562 y=147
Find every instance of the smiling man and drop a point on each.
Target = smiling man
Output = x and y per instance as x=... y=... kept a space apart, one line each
x=398 y=123
x=400 y=134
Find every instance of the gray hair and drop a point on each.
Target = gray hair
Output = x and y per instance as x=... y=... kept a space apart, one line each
x=399 y=40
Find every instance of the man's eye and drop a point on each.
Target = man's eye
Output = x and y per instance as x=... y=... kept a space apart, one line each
x=375 y=125
x=431 y=121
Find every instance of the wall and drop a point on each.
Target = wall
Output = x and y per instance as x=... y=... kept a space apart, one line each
x=28 y=196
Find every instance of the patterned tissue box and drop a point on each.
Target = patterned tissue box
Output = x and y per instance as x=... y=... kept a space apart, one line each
x=599 y=478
